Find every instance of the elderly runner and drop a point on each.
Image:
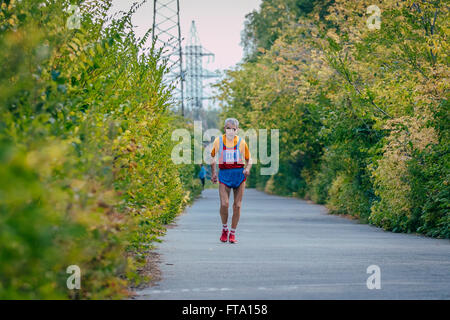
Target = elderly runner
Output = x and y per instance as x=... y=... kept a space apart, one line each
x=231 y=150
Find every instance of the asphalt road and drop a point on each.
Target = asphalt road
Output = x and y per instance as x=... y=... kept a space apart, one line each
x=292 y=249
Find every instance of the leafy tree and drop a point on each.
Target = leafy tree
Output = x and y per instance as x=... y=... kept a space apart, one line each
x=361 y=111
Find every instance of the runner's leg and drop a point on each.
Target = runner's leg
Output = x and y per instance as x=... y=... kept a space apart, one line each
x=224 y=193
x=238 y=194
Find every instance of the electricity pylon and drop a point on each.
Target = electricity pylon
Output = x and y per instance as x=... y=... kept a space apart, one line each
x=167 y=32
x=195 y=74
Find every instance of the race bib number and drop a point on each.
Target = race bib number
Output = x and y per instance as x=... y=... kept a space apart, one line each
x=229 y=156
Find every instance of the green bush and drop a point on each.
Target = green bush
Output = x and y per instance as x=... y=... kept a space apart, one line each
x=85 y=143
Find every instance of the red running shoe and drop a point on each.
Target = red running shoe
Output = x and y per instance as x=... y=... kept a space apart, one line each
x=232 y=238
x=224 y=236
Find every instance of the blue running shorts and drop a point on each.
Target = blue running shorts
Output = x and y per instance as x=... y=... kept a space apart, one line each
x=232 y=177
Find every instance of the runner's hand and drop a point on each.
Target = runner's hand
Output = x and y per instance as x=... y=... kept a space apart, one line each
x=214 y=178
x=246 y=172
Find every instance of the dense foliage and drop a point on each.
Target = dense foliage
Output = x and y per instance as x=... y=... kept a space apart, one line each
x=363 y=113
x=85 y=145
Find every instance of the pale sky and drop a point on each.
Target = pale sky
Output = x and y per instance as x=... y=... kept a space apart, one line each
x=219 y=25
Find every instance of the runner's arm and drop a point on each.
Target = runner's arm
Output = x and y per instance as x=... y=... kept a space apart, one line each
x=248 y=165
x=248 y=162
x=213 y=170
x=213 y=164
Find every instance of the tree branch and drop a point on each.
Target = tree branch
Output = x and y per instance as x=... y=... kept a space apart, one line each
x=347 y=77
